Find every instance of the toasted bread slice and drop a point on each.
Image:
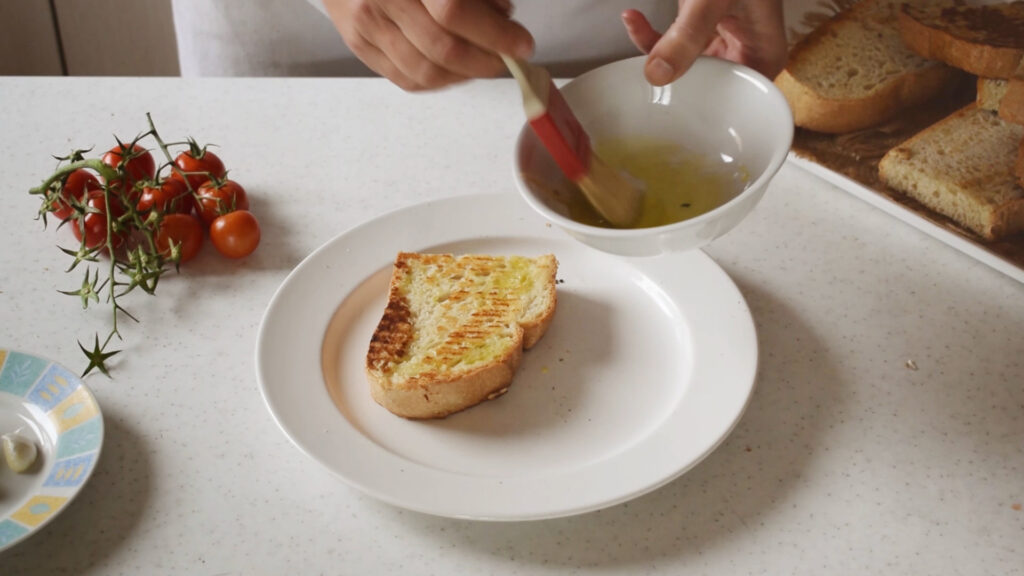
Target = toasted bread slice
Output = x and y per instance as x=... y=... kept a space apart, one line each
x=962 y=167
x=986 y=40
x=853 y=71
x=455 y=328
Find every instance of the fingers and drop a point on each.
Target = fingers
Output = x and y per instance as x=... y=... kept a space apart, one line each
x=685 y=40
x=482 y=25
x=753 y=35
x=379 y=62
x=444 y=47
x=759 y=29
x=375 y=40
x=640 y=31
x=411 y=61
x=424 y=44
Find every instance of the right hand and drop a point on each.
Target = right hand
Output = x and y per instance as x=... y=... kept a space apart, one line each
x=750 y=32
x=428 y=44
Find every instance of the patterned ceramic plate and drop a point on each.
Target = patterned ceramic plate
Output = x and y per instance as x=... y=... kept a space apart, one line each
x=43 y=402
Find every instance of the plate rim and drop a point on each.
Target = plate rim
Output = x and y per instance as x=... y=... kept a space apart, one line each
x=72 y=495
x=512 y=211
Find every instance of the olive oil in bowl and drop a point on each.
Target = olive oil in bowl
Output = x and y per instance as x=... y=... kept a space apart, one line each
x=678 y=183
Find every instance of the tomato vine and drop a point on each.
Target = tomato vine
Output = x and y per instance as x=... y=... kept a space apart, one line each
x=122 y=210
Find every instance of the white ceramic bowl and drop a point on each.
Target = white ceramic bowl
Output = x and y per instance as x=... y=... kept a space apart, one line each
x=716 y=108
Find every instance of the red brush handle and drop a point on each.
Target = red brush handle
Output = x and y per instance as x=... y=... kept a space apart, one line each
x=563 y=136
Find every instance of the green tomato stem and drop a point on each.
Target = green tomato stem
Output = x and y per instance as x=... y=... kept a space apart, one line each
x=167 y=153
x=108 y=173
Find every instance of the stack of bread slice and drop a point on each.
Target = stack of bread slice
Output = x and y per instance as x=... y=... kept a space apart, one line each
x=963 y=166
x=968 y=166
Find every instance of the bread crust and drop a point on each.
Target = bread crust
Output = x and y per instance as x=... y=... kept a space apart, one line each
x=1011 y=106
x=990 y=59
x=837 y=116
x=1018 y=168
x=421 y=399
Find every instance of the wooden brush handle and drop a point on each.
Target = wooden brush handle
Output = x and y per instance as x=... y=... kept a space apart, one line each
x=552 y=119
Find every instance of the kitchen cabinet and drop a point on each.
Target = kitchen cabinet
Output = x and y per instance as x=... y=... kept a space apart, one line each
x=87 y=38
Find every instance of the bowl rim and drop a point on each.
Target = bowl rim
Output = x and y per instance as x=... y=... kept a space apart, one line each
x=778 y=158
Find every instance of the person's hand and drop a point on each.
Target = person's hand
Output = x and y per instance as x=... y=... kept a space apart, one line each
x=750 y=32
x=425 y=44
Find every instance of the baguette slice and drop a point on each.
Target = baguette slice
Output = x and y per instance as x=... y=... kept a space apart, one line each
x=986 y=40
x=454 y=329
x=853 y=71
x=962 y=167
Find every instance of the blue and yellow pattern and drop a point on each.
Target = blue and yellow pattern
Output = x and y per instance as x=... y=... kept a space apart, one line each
x=71 y=471
x=10 y=532
x=55 y=385
x=38 y=509
x=74 y=410
x=82 y=438
x=74 y=414
x=20 y=372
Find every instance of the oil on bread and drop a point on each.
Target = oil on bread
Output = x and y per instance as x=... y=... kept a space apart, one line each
x=454 y=329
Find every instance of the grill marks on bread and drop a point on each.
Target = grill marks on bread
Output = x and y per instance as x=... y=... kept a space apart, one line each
x=454 y=329
x=393 y=335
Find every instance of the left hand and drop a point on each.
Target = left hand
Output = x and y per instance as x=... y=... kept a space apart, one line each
x=749 y=32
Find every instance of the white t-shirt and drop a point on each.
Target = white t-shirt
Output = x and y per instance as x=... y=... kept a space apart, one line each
x=295 y=38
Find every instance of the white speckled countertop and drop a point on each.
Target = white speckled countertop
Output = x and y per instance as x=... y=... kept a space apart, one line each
x=847 y=461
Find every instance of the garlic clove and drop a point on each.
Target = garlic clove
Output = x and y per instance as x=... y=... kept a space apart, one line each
x=19 y=452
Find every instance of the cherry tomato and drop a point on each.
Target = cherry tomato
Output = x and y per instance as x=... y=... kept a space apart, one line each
x=183 y=230
x=235 y=234
x=136 y=163
x=95 y=223
x=76 y=185
x=200 y=165
x=220 y=198
x=170 y=195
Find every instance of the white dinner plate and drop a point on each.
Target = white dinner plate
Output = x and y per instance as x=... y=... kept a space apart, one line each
x=46 y=404
x=646 y=368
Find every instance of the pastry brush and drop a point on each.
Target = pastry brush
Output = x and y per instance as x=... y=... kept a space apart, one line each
x=614 y=198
